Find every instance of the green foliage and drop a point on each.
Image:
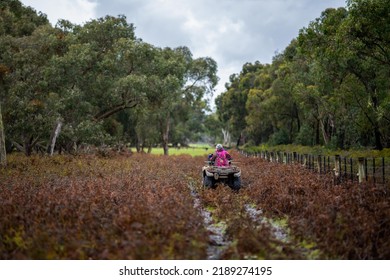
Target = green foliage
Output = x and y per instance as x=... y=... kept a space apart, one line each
x=279 y=138
x=329 y=87
x=303 y=137
x=89 y=77
x=18 y=20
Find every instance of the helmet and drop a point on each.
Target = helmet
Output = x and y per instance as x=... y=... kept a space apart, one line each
x=219 y=147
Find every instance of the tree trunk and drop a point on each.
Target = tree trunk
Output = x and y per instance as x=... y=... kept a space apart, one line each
x=378 y=140
x=372 y=92
x=27 y=146
x=54 y=136
x=3 y=155
x=239 y=141
x=341 y=138
x=165 y=134
x=377 y=133
x=317 y=129
x=325 y=134
x=226 y=138
x=297 y=117
x=139 y=142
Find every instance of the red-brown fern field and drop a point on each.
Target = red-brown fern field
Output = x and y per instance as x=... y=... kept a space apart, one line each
x=148 y=207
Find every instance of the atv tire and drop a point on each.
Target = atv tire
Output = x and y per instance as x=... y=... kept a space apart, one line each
x=208 y=181
x=236 y=183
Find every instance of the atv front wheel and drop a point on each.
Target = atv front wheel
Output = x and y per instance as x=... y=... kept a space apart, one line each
x=208 y=181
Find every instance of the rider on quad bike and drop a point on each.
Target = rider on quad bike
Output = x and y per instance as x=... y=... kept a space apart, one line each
x=220 y=169
x=221 y=157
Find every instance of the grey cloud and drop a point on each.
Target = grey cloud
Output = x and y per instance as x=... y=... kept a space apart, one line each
x=232 y=32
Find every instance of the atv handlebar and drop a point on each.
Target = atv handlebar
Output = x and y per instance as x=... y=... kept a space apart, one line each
x=209 y=162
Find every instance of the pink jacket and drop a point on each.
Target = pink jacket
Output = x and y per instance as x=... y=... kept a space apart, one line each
x=221 y=158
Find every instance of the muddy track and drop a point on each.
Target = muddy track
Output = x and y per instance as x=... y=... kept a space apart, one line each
x=216 y=231
x=224 y=233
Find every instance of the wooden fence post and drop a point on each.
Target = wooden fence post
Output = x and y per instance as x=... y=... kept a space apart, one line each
x=304 y=160
x=383 y=171
x=351 y=164
x=319 y=164
x=324 y=164
x=345 y=167
x=337 y=167
x=361 y=170
x=366 y=168
x=284 y=158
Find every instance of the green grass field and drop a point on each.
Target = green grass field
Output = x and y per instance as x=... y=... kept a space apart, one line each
x=193 y=150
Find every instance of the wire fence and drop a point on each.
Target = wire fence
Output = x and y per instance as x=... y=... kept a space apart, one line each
x=362 y=170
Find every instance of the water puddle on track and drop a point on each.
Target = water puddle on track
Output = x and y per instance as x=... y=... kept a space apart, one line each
x=257 y=215
x=281 y=233
x=217 y=239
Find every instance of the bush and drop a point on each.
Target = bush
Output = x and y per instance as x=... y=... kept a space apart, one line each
x=303 y=137
x=279 y=138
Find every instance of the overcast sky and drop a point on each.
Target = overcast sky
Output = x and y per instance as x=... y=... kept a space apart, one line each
x=232 y=32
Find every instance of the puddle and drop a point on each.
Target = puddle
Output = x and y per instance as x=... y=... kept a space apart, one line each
x=305 y=249
x=257 y=215
x=217 y=240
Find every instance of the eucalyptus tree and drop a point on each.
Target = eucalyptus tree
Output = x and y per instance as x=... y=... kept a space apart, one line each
x=349 y=49
x=231 y=104
x=144 y=120
x=30 y=105
x=327 y=71
x=179 y=80
x=367 y=53
x=189 y=115
x=212 y=126
x=81 y=79
x=16 y=21
x=104 y=71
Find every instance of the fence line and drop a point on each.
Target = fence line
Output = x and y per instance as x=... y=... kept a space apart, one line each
x=361 y=170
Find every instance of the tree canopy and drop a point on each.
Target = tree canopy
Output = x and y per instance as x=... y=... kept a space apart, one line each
x=95 y=84
x=330 y=86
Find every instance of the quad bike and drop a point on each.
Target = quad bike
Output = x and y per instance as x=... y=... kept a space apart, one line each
x=229 y=175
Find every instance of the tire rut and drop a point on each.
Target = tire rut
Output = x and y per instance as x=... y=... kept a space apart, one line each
x=218 y=242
